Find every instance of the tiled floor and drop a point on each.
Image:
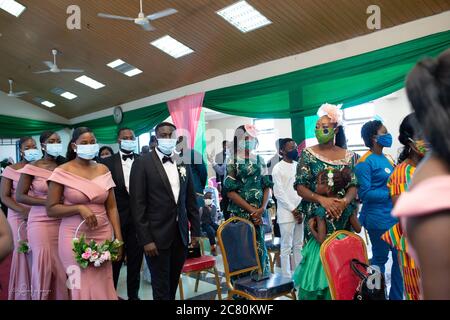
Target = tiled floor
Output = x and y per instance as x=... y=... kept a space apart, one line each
x=207 y=288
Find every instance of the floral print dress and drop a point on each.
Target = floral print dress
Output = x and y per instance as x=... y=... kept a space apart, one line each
x=248 y=177
x=308 y=168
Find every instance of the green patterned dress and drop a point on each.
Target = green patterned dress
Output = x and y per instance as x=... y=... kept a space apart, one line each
x=309 y=276
x=249 y=179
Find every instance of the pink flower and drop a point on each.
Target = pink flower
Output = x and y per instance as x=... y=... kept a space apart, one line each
x=106 y=256
x=251 y=130
x=331 y=111
x=86 y=256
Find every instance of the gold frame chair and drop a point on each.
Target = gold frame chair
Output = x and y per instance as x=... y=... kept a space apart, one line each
x=325 y=245
x=231 y=290
x=212 y=270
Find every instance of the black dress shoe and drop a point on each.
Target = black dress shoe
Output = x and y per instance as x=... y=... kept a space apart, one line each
x=134 y=299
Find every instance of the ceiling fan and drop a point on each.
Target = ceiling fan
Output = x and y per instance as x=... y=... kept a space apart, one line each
x=12 y=93
x=53 y=68
x=142 y=20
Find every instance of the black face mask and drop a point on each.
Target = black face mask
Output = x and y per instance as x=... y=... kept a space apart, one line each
x=293 y=155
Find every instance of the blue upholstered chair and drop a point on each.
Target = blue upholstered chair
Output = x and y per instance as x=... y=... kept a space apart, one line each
x=273 y=244
x=237 y=241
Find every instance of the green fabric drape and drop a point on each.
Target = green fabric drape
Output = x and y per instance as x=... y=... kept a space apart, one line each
x=296 y=95
x=140 y=120
x=14 y=127
x=351 y=81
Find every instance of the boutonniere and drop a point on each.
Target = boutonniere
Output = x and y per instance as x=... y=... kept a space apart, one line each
x=182 y=171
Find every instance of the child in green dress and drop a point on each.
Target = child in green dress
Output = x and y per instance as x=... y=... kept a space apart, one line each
x=309 y=277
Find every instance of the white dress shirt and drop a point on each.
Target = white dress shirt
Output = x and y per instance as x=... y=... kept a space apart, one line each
x=172 y=174
x=126 y=168
x=283 y=176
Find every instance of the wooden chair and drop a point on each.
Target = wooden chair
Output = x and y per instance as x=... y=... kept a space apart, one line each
x=336 y=254
x=204 y=263
x=237 y=241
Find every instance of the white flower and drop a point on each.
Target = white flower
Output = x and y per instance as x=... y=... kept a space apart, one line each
x=97 y=263
x=182 y=171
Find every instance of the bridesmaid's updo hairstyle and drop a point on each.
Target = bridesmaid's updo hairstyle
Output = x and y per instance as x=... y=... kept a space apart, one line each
x=428 y=89
x=71 y=154
x=409 y=128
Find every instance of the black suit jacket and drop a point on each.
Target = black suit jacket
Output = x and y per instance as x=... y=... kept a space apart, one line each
x=114 y=165
x=153 y=205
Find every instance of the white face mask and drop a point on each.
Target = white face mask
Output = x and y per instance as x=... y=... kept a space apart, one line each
x=32 y=155
x=208 y=202
x=128 y=145
x=167 y=146
x=54 y=149
x=87 y=151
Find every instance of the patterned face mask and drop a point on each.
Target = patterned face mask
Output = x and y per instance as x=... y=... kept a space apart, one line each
x=324 y=135
x=421 y=146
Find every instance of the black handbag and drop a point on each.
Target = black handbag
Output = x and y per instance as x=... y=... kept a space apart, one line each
x=194 y=252
x=372 y=285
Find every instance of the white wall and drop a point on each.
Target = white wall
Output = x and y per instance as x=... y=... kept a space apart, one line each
x=19 y=108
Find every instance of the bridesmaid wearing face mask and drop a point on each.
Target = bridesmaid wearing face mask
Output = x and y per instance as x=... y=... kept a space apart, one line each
x=373 y=171
x=81 y=194
x=414 y=151
x=248 y=185
x=47 y=274
x=19 y=278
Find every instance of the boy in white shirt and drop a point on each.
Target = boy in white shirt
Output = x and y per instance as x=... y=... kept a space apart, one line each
x=289 y=219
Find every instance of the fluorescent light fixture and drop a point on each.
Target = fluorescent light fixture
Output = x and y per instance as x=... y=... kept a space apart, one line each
x=68 y=95
x=64 y=93
x=13 y=7
x=133 y=72
x=94 y=84
x=244 y=17
x=115 y=63
x=172 y=47
x=124 y=68
x=48 y=104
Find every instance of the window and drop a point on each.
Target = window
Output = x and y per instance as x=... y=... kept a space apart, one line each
x=266 y=138
x=9 y=148
x=354 y=118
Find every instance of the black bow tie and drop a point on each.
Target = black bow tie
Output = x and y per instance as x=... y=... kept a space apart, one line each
x=127 y=156
x=166 y=158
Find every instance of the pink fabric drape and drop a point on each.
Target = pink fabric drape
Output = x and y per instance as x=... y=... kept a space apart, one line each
x=185 y=113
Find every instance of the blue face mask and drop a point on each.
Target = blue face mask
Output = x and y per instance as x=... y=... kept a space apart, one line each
x=385 y=140
x=128 y=145
x=87 y=151
x=167 y=146
x=293 y=155
x=54 y=149
x=32 y=155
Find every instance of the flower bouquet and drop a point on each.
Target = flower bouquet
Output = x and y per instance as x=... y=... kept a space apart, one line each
x=92 y=253
x=24 y=247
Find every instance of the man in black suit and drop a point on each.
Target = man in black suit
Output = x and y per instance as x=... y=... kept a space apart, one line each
x=163 y=203
x=120 y=166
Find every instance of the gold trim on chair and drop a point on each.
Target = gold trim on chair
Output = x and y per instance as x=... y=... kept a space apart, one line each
x=231 y=290
x=325 y=245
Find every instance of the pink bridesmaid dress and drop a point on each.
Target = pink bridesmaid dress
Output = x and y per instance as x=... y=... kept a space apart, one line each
x=20 y=276
x=48 y=276
x=426 y=198
x=92 y=283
